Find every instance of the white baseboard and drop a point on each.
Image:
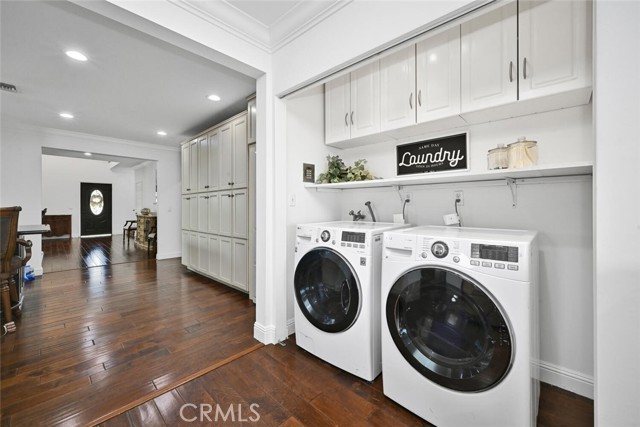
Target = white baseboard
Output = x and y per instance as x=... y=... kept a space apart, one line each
x=264 y=334
x=291 y=326
x=567 y=379
x=167 y=255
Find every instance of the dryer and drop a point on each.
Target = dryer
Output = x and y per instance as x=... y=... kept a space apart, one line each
x=460 y=329
x=337 y=292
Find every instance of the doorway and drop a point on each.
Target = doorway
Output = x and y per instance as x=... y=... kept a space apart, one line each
x=95 y=209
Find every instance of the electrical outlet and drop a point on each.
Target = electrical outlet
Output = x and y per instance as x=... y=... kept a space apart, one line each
x=459 y=195
x=409 y=197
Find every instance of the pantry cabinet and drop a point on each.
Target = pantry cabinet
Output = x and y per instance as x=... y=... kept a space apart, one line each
x=214 y=212
x=352 y=104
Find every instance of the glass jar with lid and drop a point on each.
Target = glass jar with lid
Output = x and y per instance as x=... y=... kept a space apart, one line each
x=523 y=153
x=498 y=158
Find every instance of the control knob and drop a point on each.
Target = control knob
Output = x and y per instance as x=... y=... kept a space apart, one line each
x=439 y=249
x=325 y=235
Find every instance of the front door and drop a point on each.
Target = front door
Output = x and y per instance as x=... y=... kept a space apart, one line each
x=95 y=209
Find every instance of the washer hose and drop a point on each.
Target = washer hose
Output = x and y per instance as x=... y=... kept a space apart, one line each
x=373 y=217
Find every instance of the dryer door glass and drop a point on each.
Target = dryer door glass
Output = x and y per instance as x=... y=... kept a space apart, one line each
x=327 y=290
x=449 y=328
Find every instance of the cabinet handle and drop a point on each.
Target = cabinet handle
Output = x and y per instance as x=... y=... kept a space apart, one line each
x=232 y=195
x=206 y=186
x=346 y=119
x=420 y=98
x=411 y=100
x=510 y=71
x=188 y=189
x=524 y=68
x=352 y=118
x=187 y=198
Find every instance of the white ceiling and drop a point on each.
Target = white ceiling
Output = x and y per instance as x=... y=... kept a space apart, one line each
x=133 y=84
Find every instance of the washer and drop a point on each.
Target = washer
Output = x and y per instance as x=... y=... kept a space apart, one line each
x=460 y=330
x=337 y=291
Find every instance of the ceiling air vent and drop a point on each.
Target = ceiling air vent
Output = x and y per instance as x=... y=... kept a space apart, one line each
x=8 y=88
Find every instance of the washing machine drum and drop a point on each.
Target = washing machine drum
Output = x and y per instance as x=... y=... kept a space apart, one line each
x=327 y=290
x=450 y=329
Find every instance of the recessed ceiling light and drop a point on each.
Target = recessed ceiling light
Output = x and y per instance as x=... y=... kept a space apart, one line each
x=66 y=115
x=88 y=154
x=76 y=55
x=213 y=97
x=162 y=133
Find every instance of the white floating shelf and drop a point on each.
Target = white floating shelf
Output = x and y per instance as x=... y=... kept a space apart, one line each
x=566 y=169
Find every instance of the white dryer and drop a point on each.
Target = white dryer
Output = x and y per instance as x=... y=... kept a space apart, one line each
x=337 y=291
x=460 y=329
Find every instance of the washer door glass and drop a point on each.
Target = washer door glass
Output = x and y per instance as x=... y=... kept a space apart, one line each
x=449 y=328
x=327 y=290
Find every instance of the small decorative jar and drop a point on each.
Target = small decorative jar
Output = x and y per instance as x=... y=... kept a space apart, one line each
x=498 y=158
x=145 y=211
x=523 y=153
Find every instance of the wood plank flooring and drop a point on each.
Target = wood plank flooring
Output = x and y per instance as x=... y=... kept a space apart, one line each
x=130 y=344
x=72 y=254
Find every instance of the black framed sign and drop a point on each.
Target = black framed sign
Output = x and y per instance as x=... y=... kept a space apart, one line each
x=448 y=153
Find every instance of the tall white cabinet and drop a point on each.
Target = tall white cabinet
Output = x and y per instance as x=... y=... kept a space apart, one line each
x=214 y=203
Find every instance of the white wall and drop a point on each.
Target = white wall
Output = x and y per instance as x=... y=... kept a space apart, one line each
x=61 y=178
x=21 y=177
x=617 y=213
x=145 y=178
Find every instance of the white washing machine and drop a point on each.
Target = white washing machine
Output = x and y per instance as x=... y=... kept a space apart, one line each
x=337 y=291
x=460 y=329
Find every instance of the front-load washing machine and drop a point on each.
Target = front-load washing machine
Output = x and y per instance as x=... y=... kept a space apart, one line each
x=337 y=291
x=460 y=329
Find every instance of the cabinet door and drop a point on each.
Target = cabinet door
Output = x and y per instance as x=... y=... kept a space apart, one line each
x=239 y=201
x=489 y=75
x=203 y=252
x=226 y=213
x=438 y=76
x=193 y=250
x=239 y=179
x=214 y=256
x=203 y=213
x=555 y=48
x=226 y=259
x=364 y=117
x=185 y=212
x=337 y=95
x=193 y=166
x=193 y=212
x=185 y=249
x=214 y=212
x=186 y=167
x=203 y=163
x=225 y=165
x=397 y=89
x=240 y=268
x=214 y=159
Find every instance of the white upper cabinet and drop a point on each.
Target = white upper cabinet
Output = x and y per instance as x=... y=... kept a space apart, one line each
x=555 y=47
x=240 y=150
x=225 y=167
x=438 y=76
x=489 y=75
x=186 y=167
x=193 y=166
x=214 y=159
x=352 y=104
x=203 y=163
x=525 y=51
x=398 y=89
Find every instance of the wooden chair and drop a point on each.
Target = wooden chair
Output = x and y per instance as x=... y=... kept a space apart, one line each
x=152 y=239
x=129 y=229
x=11 y=263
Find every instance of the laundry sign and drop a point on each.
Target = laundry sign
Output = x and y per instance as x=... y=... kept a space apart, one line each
x=433 y=155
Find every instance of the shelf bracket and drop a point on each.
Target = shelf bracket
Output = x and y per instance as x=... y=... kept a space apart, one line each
x=513 y=186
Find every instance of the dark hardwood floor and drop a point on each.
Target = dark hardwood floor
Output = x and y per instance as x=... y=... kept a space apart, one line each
x=130 y=344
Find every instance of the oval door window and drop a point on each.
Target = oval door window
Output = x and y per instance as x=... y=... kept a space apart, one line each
x=96 y=202
x=327 y=290
x=450 y=329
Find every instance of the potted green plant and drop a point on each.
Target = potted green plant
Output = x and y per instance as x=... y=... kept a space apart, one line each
x=337 y=171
